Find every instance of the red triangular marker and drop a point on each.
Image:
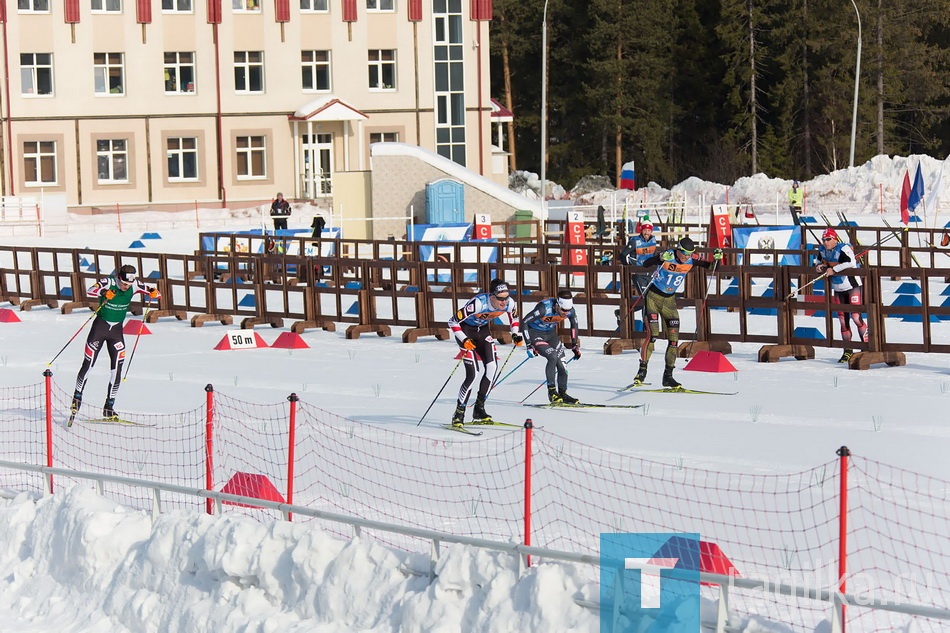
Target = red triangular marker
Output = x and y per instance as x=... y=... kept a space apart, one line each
x=710 y=361
x=290 y=340
x=8 y=316
x=135 y=328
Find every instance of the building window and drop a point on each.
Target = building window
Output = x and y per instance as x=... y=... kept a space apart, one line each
x=179 y=73
x=449 y=81
x=382 y=70
x=107 y=6
x=108 y=71
x=315 y=66
x=246 y=6
x=380 y=5
x=314 y=6
x=33 y=6
x=182 y=156
x=384 y=137
x=36 y=74
x=249 y=71
x=39 y=163
x=251 y=157
x=176 y=6
x=112 y=161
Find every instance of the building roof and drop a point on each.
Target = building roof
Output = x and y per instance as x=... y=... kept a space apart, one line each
x=500 y=114
x=327 y=108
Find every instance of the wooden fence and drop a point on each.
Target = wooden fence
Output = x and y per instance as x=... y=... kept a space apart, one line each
x=373 y=286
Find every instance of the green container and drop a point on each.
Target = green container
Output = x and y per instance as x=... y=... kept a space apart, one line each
x=523 y=230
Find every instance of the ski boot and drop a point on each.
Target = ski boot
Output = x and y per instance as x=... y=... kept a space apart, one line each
x=567 y=399
x=458 y=418
x=74 y=408
x=641 y=376
x=479 y=414
x=668 y=380
x=553 y=396
x=848 y=353
x=108 y=410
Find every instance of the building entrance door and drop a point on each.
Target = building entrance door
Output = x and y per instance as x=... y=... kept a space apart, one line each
x=317 y=165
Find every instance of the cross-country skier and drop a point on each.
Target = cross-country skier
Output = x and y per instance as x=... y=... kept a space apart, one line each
x=640 y=247
x=836 y=257
x=114 y=294
x=471 y=331
x=672 y=267
x=540 y=333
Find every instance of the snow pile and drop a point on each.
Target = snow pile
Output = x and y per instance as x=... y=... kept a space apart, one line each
x=858 y=189
x=79 y=562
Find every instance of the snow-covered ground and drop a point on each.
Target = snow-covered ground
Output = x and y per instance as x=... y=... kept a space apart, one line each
x=76 y=562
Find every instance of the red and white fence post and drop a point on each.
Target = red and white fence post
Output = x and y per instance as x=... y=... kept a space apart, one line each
x=48 y=375
x=209 y=445
x=291 y=443
x=844 y=453
x=528 y=434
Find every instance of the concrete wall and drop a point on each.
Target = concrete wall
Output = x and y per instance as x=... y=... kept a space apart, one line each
x=403 y=176
x=351 y=198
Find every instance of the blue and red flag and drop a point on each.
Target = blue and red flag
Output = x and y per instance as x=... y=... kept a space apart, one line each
x=916 y=192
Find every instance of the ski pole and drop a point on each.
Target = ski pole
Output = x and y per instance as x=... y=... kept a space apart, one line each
x=503 y=365
x=633 y=307
x=530 y=356
x=702 y=304
x=81 y=328
x=794 y=293
x=137 y=337
x=440 y=390
x=543 y=382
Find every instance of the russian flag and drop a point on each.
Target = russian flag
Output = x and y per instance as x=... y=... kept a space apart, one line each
x=628 y=176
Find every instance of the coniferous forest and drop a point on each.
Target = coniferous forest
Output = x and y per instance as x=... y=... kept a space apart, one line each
x=721 y=89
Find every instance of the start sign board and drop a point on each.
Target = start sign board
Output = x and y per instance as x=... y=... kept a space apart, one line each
x=576 y=235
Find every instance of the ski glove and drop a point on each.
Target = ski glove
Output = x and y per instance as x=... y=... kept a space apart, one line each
x=577 y=351
x=717 y=254
x=108 y=294
x=667 y=256
x=153 y=293
x=468 y=344
x=516 y=338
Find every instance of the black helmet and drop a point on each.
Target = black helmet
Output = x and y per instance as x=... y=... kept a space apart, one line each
x=687 y=245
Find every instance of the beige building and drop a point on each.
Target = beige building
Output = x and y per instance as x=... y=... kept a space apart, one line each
x=168 y=103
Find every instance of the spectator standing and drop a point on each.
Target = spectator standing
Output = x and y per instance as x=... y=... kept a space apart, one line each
x=279 y=212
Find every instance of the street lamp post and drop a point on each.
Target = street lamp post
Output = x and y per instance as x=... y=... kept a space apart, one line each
x=857 y=79
x=544 y=116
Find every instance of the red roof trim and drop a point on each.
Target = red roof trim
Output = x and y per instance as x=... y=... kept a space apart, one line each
x=499 y=111
x=324 y=107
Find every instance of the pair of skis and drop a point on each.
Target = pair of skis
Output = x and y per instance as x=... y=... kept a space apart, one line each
x=115 y=420
x=467 y=430
x=635 y=388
